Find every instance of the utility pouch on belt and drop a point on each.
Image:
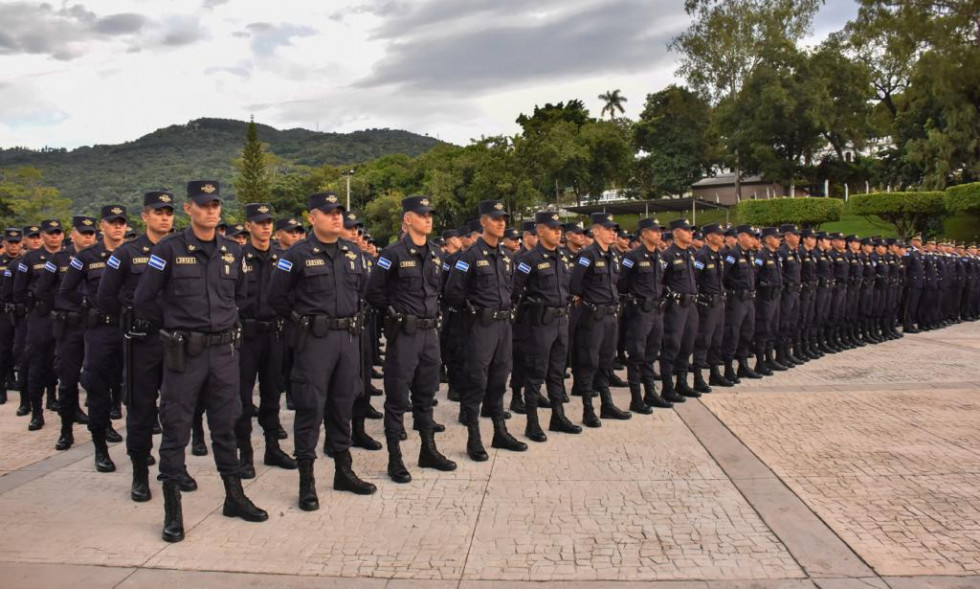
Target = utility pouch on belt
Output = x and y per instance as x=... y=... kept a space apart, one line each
x=173 y=350
x=194 y=344
x=301 y=331
x=58 y=325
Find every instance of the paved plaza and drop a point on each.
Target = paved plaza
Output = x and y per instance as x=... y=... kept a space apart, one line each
x=858 y=470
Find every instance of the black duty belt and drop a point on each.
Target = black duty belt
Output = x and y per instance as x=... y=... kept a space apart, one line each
x=328 y=323
x=96 y=317
x=259 y=326
x=209 y=340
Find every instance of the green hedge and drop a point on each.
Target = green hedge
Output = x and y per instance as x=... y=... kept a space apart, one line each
x=807 y=212
x=889 y=204
x=964 y=198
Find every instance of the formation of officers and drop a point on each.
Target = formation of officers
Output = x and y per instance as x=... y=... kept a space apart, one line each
x=181 y=326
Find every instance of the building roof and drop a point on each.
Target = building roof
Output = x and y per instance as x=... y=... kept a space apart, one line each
x=728 y=180
x=645 y=206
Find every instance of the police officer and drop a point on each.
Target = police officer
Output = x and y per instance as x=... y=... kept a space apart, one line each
x=453 y=317
x=541 y=295
x=261 y=347
x=199 y=279
x=854 y=285
x=31 y=241
x=317 y=286
x=642 y=283
x=39 y=343
x=841 y=267
x=914 y=283
x=480 y=285
x=789 y=303
x=769 y=281
x=102 y=367
x=680 y=314
x=739 y=306
x=407 y=282
x=68 y=327
x=805 y=342
x=8 y=263
x=710 y=271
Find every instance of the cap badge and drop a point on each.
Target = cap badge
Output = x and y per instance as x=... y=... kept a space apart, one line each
x=164 y=198
x=331 y=198
x=263 y=209
x=499 y=206
x=208 y=188
x=115 y=211
x=424 y=202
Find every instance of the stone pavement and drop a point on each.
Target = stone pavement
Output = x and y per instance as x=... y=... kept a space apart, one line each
x=858 y=470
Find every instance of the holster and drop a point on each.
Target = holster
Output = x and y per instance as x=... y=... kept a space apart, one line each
x=301 y=331
x=173 y=350
x=58 y=325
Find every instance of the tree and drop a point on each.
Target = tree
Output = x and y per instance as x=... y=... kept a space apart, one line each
x=964 y=198
x=907 y=212
x=252 y=183
x=545 y=117
x=613 y=102
x=25 y=199
x=806 y=212
x=674 y=140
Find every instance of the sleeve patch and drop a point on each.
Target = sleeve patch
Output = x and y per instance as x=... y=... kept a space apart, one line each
x=628 y=263
x=21 y=267
x=50 y=267
x=730 y=260
x=758 y=261
x=285 y=265
x=76 y=263
x=384 y=262
x=157 y=263
x=699 y=265
x=7 y=273
x=113 y=262
x=524 y=268
x=462 y=266
x=445 y=267
x=584 y=261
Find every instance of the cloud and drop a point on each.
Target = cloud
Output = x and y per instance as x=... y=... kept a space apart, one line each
x=212 y=4
x=522 y=45
x=267 y=37
x=183 y=30
x=62 y=33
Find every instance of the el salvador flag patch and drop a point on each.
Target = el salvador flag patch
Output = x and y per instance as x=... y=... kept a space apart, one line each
x=584 y=261
x=7 y=273
x=21 y=267
x=50 y=267
x=462 y=266
x=157 y=263
x=758 y=261
x=699 y=265
x=445 y=267
x=628 y=263
x=730 y=260
x=285 y=265
x=524 y=268
x=76 y=263
x=384 y=262
x=113 y=262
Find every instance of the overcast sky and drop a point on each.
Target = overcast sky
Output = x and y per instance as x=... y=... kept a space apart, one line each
x=108 y=71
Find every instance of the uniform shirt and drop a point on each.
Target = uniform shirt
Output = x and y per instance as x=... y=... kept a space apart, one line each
x=124 y=268
x=856 y=271
x=595 y=275
x=881 y=271
x=869 y=268
x=679 y=270
x=543 y=276
x=789 y=258
x=30 y=268
x=808 y=265
x=914 y=268
x=447 y=264
x=81 y=282
x=482 y=275
x=642 y=274
x=709 y=268
x=840 y=264
x=8 y=265
x=310 y=279
x=768 y=273
x=407 y=278
x=259 y=266
x=49 y=282
x=739 y=270
x=202 y=284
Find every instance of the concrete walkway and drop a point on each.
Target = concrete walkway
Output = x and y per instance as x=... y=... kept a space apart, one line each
x=858 y=470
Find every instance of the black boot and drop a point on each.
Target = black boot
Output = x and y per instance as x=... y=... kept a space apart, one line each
x=608 y=409
x=517 y=402
x=3 y=396
x=715 y=378
x=699 y=385
x=652 y=399
x=173 y=516
x=237 y=504
x=782 y=356
x=760 y=364
x=589 y=418
x=198 y=447
x=396 y=466
x=474 y=445
x=430 y=456
x=533 y=429
x=615 y=381
x=730 y=374
x=140 y=489
x=52 y=400
x=502 y=438
x=103 y=463
x=372 y=413
x=745 y=371
x=37 y=418
x=185 y=481
x=683 y=389
x=667 y=392
x=246 y=460
x=67 y=438
x=25 y=404
x=360 y=439
x=112 y=436
x=345 y=479
x=560 y=422
x=116 y=412
x=771 y=362
x=274 y=456
x=794 y=353
x=453 y=395
x=308 y=501
x=636 y=401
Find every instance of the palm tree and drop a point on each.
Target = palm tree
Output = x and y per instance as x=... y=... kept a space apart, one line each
x=614 y=101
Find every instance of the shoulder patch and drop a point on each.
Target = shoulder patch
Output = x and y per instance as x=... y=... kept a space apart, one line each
x=284 y=265
x=758 y=261
x=384 y=262
x=699 y=265
x=462 y=266
x=157 y=263
x=50 y=267
x=76 y=263
x=21 y=267
x=584 y=261
x=730 y=259
x=628 y=263
x=523 y=267
x=113 y=262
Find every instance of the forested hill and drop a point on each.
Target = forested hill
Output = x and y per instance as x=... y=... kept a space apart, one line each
x=203 y=148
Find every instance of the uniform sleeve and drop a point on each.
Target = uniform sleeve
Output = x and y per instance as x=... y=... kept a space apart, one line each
x=376 y=293
x=241 y=283
x=456 y=284
x=522 y=272
x=627 y=269
x=70 y=290
x=107 y=297
x=582 y=265
x=22 y=277
x=152 y=281
x=281 y=283
x=43 y=286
